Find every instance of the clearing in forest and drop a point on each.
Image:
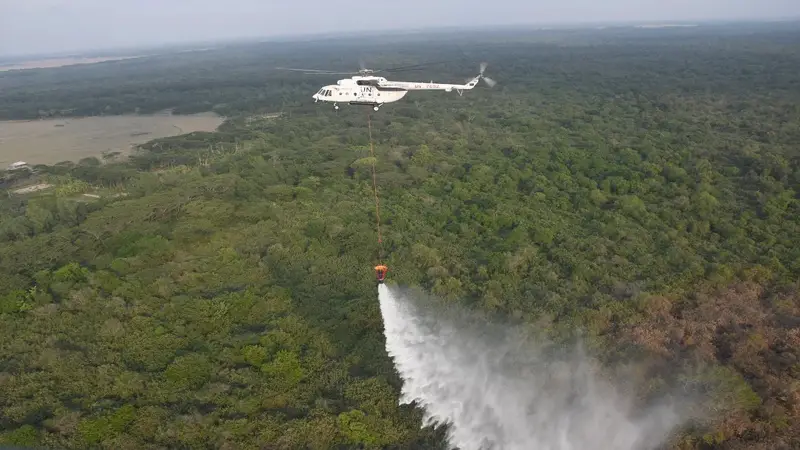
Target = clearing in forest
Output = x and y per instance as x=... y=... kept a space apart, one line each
x=50 y=141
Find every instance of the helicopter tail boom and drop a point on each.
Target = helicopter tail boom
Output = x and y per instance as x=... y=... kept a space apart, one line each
x=414 y=86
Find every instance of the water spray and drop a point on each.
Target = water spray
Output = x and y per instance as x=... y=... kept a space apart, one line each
x=495 y=393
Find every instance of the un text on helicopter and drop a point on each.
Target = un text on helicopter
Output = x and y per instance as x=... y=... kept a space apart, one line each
x=369 y=90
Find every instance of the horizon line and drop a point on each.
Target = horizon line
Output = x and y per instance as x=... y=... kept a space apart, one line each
x=311 y=36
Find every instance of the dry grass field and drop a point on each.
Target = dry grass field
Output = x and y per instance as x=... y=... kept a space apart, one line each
x=51 y=141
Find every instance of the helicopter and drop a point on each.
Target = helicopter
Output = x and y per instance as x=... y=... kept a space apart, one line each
x=366 y=89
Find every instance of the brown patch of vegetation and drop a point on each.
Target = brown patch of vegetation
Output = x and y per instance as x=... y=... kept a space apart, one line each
x=750 y=328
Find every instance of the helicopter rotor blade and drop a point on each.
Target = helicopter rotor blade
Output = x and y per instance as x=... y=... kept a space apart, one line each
x=411 y=67
x=364 y=70
x=316 y=71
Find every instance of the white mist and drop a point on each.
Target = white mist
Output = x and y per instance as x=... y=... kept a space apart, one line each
x=495 y=394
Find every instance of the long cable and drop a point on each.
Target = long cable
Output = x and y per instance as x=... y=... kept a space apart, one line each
x=375 y=189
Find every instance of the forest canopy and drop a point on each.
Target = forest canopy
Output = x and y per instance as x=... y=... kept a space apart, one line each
x=217 y=291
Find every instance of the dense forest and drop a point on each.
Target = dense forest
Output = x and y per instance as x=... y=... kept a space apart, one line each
x=638 y=185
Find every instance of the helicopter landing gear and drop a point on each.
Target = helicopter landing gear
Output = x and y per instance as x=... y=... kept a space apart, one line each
x=335 y=106
x=376 y=107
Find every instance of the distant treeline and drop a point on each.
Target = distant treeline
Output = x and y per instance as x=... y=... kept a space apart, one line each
x=241 y=78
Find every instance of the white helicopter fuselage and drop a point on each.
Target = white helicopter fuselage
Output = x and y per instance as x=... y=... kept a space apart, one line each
x=375 y=91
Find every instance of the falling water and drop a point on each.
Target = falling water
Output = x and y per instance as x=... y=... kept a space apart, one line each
x=497 y=394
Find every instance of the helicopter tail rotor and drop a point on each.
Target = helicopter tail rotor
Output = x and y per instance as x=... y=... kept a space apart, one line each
x=490 y=82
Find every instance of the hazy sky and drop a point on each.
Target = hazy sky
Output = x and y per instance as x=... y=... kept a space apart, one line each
x=35 y=26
